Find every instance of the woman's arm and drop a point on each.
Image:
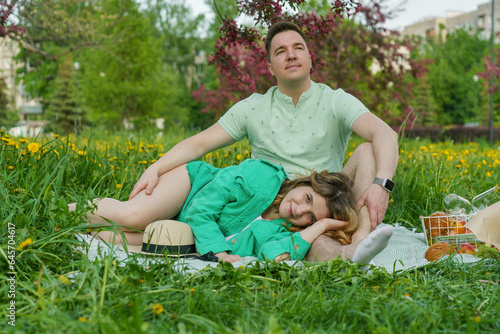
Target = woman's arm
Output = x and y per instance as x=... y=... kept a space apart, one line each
x=321 y=226
x=311 y=233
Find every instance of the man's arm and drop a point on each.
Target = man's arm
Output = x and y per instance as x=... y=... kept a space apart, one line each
x=187 y=150
x=386 y=152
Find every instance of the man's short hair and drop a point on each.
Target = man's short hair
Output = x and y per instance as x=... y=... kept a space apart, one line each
x=277 y=28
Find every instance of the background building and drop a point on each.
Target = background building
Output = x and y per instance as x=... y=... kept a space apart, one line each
x=476 y=21
x=30 y=109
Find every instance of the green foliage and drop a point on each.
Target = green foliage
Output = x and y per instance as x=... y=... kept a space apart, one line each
x=136 y=63
x=59 y=290
x=425 y=107
x=62 y=107
x=455 y=62
x=127 y=80
x=8 y=116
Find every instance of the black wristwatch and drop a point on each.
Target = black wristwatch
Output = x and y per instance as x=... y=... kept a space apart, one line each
x=386 y=183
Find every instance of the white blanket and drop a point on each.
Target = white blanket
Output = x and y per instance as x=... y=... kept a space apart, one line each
x=405 y=251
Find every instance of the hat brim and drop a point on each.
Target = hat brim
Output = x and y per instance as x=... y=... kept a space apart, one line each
x=170 y=251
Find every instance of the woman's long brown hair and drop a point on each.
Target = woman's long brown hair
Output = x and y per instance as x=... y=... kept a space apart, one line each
x=336 y=188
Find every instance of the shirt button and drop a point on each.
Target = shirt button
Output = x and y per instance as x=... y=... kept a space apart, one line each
x=233 y=241
x=296 y=247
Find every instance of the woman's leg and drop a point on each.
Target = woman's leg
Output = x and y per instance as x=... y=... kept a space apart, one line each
x=165 y=202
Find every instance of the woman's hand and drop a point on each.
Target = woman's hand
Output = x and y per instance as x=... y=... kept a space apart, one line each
x=321 y=226
x=331 y=224
x=225 y=257
x=282 y=257
x=147 y=181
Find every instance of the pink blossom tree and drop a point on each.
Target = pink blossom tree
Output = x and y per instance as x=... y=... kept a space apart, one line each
x=349 y=47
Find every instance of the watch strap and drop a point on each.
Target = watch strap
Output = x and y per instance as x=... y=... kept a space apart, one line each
x=388 y=184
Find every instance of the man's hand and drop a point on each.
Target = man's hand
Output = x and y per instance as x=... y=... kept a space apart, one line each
x=376 y=198
x=225 y=257
x=147 y=182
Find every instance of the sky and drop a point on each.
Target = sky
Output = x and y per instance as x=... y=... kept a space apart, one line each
x=412 y=10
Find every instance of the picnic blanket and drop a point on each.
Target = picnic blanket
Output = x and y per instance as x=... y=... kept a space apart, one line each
x=405 y=251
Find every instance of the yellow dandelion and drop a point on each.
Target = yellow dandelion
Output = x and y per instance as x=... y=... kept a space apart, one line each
x=80 y=153
x=242 y=267
x=33 y=147
x=56 y=136
x=11 y=167
x=82 y=319
x=25 y=243
x=64 y=279
x=488 y=174
x=193 y=290
x=239 y=157
x=142 y=280
x=118 y=186
x=157 y=308
x=477 y=318
x=23 y=140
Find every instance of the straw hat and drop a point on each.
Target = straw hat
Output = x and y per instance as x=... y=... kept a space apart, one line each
x=169 y=237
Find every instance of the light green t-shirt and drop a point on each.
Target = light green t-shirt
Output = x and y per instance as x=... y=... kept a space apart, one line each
x=313 y=135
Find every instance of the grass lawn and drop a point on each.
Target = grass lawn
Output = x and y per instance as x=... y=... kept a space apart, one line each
x=48 y=287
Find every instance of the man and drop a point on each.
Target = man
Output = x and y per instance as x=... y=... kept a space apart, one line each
x=301 y=125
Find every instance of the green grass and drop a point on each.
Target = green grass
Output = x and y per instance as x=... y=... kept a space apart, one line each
x=58 y=290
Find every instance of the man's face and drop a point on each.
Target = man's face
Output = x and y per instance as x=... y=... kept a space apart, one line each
x=290 y=60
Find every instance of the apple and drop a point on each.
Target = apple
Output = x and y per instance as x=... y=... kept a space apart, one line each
x=466 y=248
x=458 y=224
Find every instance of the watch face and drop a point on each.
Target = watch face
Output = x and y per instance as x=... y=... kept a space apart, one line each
x=389 y=185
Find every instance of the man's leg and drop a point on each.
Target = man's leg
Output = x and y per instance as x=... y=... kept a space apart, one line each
x=365 y=250
x=361 y=169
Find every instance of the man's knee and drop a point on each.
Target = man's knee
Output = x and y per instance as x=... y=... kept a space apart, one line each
x=362 y=160
x=364 y=151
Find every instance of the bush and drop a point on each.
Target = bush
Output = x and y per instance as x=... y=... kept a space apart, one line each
x=457 y=133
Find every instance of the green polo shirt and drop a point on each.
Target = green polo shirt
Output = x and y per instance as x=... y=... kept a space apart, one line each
x=312 y=135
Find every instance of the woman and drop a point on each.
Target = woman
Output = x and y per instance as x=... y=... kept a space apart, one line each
x=249 y=203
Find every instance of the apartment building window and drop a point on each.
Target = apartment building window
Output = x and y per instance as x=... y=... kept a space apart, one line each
x=481 y=22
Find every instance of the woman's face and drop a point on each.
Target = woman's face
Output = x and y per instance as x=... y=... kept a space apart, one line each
x=302 y=206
